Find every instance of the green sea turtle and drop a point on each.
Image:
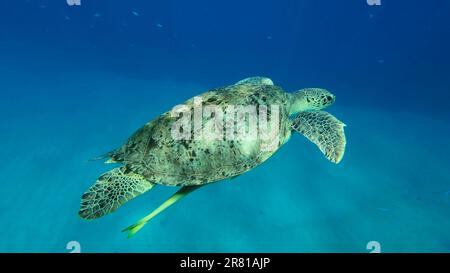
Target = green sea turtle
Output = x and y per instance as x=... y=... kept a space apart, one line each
x=155 y=155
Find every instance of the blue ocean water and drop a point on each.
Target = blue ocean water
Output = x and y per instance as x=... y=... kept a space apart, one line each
x=77 y=81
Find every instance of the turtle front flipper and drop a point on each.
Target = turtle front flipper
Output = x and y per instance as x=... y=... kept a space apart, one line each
x=324 y=130
x=133 y=229
x=111 y=190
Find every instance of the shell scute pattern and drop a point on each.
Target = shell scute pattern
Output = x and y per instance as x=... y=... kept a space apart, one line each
x=153 y=153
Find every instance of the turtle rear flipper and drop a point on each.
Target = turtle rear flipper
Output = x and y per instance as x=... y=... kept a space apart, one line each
x=111 y=190
x=324 y=130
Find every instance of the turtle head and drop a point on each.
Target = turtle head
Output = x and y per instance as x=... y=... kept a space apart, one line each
x=310 y=99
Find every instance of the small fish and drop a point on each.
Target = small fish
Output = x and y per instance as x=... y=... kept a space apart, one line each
x=97 y=15
x=135 y=13
x=269 y=37
x=159 y=25
x=381 y=61
x=67 y=17
x=384 y=209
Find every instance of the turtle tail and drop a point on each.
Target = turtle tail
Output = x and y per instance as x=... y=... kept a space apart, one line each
x=109 y=156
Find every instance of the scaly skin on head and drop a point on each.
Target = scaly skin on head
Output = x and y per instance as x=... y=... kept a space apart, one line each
x=310 y=99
